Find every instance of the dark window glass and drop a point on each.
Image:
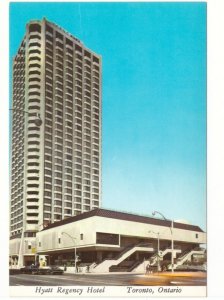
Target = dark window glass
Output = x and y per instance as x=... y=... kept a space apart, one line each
x=107 y=238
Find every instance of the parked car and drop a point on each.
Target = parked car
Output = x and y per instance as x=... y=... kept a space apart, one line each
x=34 y=270
x=55 y=270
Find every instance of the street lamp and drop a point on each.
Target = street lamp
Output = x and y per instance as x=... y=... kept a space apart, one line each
x=158 y=263
x=37 y=121
x=73 y=239
x=171 y=230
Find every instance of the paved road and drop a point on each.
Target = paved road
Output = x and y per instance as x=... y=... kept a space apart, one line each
x=194 y=279
x=175 y=279
x=69 y=279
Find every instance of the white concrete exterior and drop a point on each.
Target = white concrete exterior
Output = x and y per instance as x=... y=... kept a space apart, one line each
x=88 y=227
x=128 y=241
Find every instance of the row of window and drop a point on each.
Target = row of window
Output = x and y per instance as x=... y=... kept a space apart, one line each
x=16 y=226
x=17 y=219
x=58 y=215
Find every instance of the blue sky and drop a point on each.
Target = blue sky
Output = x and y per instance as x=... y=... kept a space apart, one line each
x=154 y=99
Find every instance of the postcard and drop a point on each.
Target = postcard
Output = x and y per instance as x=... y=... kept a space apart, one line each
x=108 y=149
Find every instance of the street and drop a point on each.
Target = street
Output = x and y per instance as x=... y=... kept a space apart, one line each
x=70 y=279
x=111 y=279
x=175 y=279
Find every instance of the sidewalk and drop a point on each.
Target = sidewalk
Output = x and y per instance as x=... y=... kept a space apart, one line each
x=106 y=273
x=155 y=274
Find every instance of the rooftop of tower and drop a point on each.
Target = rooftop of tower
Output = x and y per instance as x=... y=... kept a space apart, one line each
x=62 y=29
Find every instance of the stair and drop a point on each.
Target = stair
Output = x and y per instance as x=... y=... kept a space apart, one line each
x=124 y=266
x=187 y=256
x=153 y=260
x=105 y=265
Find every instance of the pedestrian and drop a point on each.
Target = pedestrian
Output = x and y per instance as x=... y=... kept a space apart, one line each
x=147 y=269
x=87 y=268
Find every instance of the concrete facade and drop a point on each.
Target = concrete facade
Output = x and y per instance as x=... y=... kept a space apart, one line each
x=56 y=130
x=88 y=228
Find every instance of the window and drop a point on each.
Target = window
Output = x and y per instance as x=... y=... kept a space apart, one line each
x=35 y=27
x=57 y=202
x=107 y=238
x=57 y=217
x=48 y=28
x=196 y=235
x=69 y=198
x=78 y=186
x=30 y=234
x=81 y=236
x=59 y=240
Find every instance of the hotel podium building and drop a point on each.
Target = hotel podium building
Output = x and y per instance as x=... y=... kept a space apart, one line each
x=56 y=133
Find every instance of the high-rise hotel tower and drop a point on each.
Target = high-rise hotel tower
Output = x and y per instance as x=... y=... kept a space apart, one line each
x=56 y=129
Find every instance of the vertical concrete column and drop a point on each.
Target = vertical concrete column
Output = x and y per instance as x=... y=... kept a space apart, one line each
x=99 y=256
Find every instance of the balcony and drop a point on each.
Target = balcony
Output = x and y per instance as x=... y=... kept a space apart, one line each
x=78 y=52
x=32 y=189
x=33 y=148
x=35 y=40
x=33 y=160
x=69 y=46
x=32 y=211
x=34 y=54
x=34 y=82
x=33 y=175
x=32 y=203
x=34 y=60
x=35 y=34
x=34 y=69
x=78 y=59
x=79 y=69
x=87 y=58
x=32 y=218
x=31 y=168
x=49 y=34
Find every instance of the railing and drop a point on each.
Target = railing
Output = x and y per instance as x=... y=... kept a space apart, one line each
x=153 y=259
x=144 y=245
x=119 y=254
x=135 y=265
x=129 y=250
x=124 y=251
x=132 y=246
x=125 y=266
x=185 y=253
